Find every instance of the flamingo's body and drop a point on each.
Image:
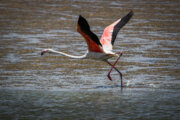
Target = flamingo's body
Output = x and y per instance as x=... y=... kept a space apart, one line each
x=99 y=49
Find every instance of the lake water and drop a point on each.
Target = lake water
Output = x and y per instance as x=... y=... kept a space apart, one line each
x=57 y=87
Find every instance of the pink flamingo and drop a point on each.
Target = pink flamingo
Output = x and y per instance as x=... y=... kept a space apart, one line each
x=99 y=49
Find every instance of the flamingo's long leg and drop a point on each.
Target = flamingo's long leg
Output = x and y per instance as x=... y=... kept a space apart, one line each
x=113 y=66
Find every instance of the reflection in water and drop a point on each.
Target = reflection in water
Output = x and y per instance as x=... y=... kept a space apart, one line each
x=150 y=63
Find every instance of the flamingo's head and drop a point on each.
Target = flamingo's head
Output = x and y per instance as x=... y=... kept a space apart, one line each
x=44 y=51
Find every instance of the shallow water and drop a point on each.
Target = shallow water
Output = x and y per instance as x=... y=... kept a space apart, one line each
x=131 y=103
x=57 y=87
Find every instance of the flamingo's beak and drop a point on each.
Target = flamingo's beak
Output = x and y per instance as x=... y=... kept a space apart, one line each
x=43 y=52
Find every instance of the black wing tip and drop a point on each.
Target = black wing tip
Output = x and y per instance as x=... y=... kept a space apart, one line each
x=81 y=19
x=80 y=16
x=82 y=22
x=127 y=17
x=130 y=14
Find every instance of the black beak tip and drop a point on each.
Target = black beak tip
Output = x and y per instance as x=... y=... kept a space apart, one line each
x=42 y=53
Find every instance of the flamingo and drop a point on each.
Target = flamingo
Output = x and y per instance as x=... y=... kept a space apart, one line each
x=99 y=49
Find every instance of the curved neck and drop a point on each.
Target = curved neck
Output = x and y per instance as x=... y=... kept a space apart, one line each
x=71 y=56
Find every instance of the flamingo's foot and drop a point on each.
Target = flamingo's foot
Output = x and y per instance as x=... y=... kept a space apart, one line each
x=44 y=51
x=109 y=77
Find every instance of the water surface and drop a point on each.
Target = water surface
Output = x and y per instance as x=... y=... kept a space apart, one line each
x=54 y=87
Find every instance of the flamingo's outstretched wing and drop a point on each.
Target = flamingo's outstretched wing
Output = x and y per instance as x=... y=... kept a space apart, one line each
x=110 y=32
x=92 y=40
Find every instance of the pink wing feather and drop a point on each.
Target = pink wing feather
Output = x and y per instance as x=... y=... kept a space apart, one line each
x=110 y=32
x=107 y=36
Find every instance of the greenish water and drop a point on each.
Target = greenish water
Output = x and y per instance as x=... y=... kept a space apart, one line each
x=56 y=87
x=130 y=103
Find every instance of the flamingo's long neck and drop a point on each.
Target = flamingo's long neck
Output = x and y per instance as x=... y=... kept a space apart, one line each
x=65 y=54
